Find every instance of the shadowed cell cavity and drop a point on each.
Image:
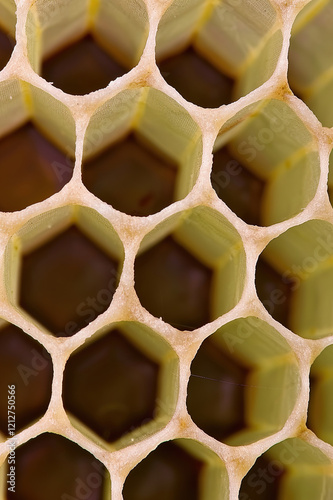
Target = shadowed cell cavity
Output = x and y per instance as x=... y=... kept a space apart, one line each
x=239 y=188
x=67 y=282
x=25 y=364
x=216 y=392
x=34 y=173
x=196 y=79
x=54 y=468
x=172 y=284
x=131 y=177
x=274 y=291
x=111 y=386
x=168 y=473
x=7 y=44
x=82 y=67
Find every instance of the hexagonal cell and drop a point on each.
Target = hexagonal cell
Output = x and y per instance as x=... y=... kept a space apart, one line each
x=181 y=469
x=131 y=178
x=27 y=365
x=310 y=59
x=137 y=158
x=260 y=170
x=190 y=255
x=294 y=279
x=200 y=53
x=291 y=469
x=37 y=138
x=7 y=44
x=64 y=269
x=32 y=176
x=136 y=374
x=241 y=388
x=83 y=47
x=50 y=466
x=320 y=415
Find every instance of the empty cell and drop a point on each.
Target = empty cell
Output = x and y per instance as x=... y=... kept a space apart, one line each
x=265 y=173
x=82 y=67
x=7 y=44
x=27 y=365
x=196 y=79
x=67 y=282
x=131 y=177
x=294 y=279
x=237 y=186
x=38 y=169
x=111 y=386
x=174 y=285
x=50 y=466
x=168 y=473
x=216 y=392
x=244 y=382
x=274 y=291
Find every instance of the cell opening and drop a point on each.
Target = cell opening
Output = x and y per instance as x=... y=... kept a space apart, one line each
x=265 y=164
x=137 y=375
x=294 y=276
x=191 y=262
x=197 y=38
x=72 y=258
x=138 y=158
x=81 y=47
x=244 y=382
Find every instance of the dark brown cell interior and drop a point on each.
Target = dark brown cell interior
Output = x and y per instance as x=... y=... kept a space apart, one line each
x=241 y=190
x=263 y=480
x=111 y=386
x=27 y=365
x=168 y=473
x=7 y=44
x=31 y=168
x=131 y=177
x=81 y=67
x=274 y=291
x=216 y=392
x=196 y=79
x=67 y=282
x=54 y=468
x=174 y=285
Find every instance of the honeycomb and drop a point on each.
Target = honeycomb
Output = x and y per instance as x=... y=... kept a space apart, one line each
x=166 y=234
